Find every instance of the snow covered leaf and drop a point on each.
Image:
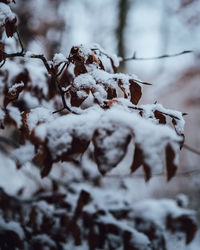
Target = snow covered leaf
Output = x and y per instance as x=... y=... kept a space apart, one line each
x=13 y=116
x=110 y=145
x=13 y=93
x=183 y=223
x=23 y=154
x=7 y=19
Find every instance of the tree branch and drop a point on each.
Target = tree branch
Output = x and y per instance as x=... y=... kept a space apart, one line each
x=156 y=57
x=55 y=75
x=193 y=150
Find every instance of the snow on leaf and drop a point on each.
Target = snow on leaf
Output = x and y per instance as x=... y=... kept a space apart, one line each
x=7 y=19
x=13 y=116
x=13 y=93
x=58 y=59
x=110 y=145
x=23 y=154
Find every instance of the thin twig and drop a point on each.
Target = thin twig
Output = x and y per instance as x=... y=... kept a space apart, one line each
x=156 y=57
x=44 y=60
x=20 y=42
x=4 y=60
x=181 y=174
x=61 y=70
x=22 y=53
x=145 y=83
x=170 y=115
x=193 y=150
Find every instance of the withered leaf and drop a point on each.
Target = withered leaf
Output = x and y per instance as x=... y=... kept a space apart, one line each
x=138 y=158
x=183 y=223
x=13 y=93
x=109 y=149
x=170 y=165
x=160 y=117
x=10 y=27
x=147 y=171
x=47 y=165
x=136 y=92
x=76 y=101
x=9 y=239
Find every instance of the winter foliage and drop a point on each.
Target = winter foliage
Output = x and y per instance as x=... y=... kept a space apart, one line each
x=75 y=107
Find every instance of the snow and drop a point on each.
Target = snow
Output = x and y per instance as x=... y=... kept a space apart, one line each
x=45 y=239
x=39 y=115
x=121 y=121
x=103 y=119
x=30 y=100
x=58 y=59
x=182 y=200
x=143 y=131
x=15 y=114
x=5 y=13
x=13 y=90
x=28 y=54
x=37 y=73
x=2 y=115
x=60 y=131
x=138 y=238
x=180 y=121
x=156 y=211
x=13 y=226
x=24 y=153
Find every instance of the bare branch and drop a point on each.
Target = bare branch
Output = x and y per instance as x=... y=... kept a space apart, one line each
x=44 y=60
x=156 y=57
x=63 y=67
x=193 y=150
x=20 y=42
x=22 y=53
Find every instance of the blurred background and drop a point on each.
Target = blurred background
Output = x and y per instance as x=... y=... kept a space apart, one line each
x=125 y=27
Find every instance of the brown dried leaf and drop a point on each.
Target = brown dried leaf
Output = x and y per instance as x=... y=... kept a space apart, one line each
x=183 y=223
x=47 y=165
x=147 y=171
x=102 y=150
x=9 y=239
x=138 y=158
x=171 y=167
x=13 y=93
x=136 y=92
x=75 y=100
x=10 y=27
x=160 y=117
